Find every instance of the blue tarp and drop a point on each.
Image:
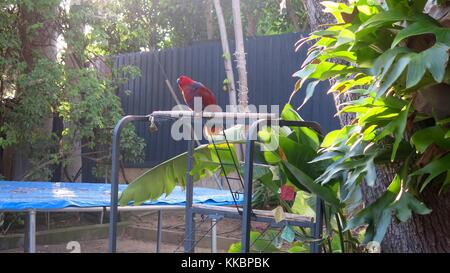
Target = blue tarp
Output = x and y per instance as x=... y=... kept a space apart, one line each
x=48 y=195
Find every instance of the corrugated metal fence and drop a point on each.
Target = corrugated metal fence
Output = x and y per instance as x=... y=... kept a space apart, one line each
x=271 y=61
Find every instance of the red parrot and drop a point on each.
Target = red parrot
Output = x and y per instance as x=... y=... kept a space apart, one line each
x=191 y=89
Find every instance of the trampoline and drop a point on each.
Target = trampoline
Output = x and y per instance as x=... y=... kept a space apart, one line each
x=31 y=197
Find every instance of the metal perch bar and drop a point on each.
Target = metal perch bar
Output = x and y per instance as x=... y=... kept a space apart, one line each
x=181 y=113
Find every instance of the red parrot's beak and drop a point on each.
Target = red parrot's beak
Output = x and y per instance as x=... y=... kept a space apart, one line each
x=178 y=81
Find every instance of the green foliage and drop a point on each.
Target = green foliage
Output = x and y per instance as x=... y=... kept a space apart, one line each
x=165 y=176
x=281 y=165
x=129 y=26
x=380 y=56
x=261 y=243
x=37 y=88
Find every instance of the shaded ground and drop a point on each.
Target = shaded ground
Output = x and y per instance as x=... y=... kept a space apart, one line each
x=125 y=245
x=173 y=221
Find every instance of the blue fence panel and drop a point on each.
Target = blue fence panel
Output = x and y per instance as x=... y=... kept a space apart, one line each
x=271 y=61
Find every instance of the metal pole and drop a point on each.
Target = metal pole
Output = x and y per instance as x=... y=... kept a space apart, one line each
x=189 y=231
x=32 y=231
x=115 y=178
x=317 y=231
x=213 y=235
x=248 y=179
x=159 y=234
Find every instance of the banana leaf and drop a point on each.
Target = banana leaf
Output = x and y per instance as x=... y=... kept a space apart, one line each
x=163 y=178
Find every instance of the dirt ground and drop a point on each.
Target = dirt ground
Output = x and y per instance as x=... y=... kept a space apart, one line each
x=172 y=221
x=124 y=245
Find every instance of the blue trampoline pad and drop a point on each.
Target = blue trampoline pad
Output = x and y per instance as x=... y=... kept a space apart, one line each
x=16 y=196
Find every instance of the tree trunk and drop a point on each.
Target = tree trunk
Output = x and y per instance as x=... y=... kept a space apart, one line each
x=226 y=54
x=209 y=20
x=73 y=62
x=36 y=43
x=240 y=56
x=231 y=88
x=154 y=30
x=252 y=22
x=428 y=233
x=293 y=16
x=40 y=43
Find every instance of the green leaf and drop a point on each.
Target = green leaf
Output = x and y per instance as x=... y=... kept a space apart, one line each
x=260 y=243
x=305 y=135
x=407 y=204
x=288 y=234
x=323 y=192
x=330 y=138
x=345 y=36
x=422 y=139
x=336 y=9
x=337 y=136
x=385 y=60
x=344 y=55
x=417 y=28
x=419 y=5
x=304 y=204
x=394 y=15
x=326 y=70
x=289 y=113
x=164 y=177
x=309 y=92
x=268 y=181
x=377 y=215
x=394 y=73
x=159 y=179
x=298 y=249
x=269 y=144
x=434 y=169
x=397 y=127
x=306 y=71
x=434 y=59
x=297 y=153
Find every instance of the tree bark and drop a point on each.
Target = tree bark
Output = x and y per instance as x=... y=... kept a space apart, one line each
x=73 y=62
x=252 y=22
x=36 y=43
x=240 y=55
x=40 y=42
x=154 y=30
x=231 y=88
x=209 y=20
x=293 y=16
x=420 y=234
x=226 y=54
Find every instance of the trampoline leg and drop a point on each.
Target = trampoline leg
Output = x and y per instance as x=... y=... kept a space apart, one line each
x=159 y=234
x=189 y=232
x=317 y=230
x=31 y=230
x=247 y=207
x=213 y=235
